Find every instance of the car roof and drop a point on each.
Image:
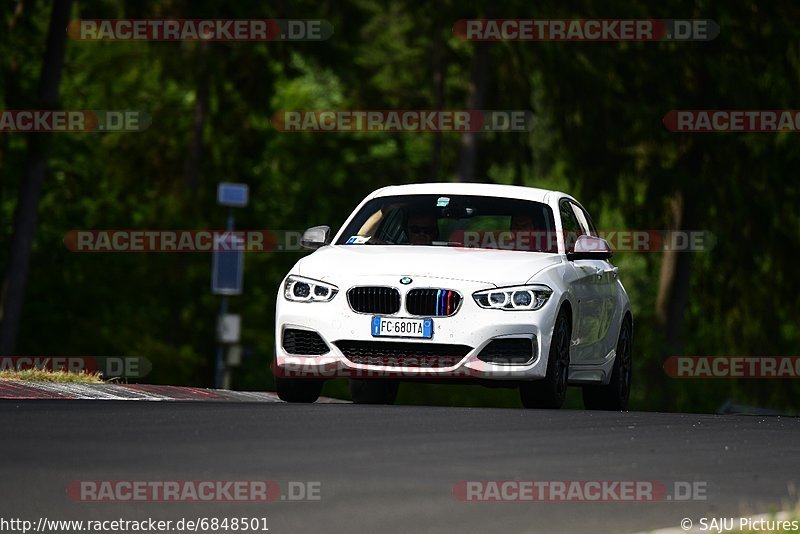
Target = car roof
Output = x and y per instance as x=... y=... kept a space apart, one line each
x=461 y=188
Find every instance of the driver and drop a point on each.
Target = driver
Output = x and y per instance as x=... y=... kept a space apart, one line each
x=529 y=235
x=421 y=228
x=521 y=222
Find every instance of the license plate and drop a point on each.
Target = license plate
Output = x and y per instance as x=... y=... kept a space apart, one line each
x=398 y=327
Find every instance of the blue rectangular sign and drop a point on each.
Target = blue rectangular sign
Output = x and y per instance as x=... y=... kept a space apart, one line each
x=232 y=195
x=227 y=270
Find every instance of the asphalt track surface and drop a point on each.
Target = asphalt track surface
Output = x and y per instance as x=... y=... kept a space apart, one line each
x=391 y=468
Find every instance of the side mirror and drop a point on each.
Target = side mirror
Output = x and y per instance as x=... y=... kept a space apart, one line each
x=590 y=248
x=315 y=237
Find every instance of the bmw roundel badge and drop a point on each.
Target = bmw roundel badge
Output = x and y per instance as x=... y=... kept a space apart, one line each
x=406 y=280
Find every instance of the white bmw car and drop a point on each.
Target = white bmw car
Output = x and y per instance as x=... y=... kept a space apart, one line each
x=500 y=285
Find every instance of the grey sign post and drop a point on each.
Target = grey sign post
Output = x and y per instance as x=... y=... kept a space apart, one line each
x=227 y=271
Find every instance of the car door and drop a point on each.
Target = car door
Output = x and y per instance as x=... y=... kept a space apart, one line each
x=601 y=298
x=588 y=288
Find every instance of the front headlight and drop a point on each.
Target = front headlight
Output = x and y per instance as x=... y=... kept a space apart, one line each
x=300 y=289
x=527 y=298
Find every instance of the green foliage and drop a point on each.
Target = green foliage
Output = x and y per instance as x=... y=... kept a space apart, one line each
x=598 y=134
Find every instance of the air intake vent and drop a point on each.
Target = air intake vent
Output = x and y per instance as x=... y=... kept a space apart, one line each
x=513 y=351
x=395 y=354
x=303 y=342
x=383 y=300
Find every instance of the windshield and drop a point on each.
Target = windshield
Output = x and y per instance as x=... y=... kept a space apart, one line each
x=455 y=221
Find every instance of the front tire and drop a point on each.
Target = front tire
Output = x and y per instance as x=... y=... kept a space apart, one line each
x=305 y=390
x=551 y=391
x=373 y=391
x=615 y=395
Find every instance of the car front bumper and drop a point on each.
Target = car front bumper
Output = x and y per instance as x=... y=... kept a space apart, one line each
x=471 y=326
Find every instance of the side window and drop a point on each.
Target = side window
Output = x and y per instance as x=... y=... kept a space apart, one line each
x=569 y=224
x=585 y=222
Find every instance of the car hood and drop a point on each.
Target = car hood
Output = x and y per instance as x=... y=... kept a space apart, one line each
x=498 y=267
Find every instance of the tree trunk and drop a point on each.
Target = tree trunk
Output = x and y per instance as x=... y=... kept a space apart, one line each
x=468 y=153
x=672 y=299
x=191 y=176
x=191 y=169
x=437 y=65
x=674 y=281
x=33 y=178
x=676 y=266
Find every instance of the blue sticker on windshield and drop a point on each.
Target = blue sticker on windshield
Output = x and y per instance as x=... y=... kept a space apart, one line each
x=442 y=202
x=357 y=240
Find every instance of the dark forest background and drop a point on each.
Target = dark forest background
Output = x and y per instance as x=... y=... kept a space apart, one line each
x=598 y=134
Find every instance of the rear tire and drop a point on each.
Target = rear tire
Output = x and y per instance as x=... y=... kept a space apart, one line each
x=615 y=395
x=304 y=390
x=373 y=391
x=551 y=391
